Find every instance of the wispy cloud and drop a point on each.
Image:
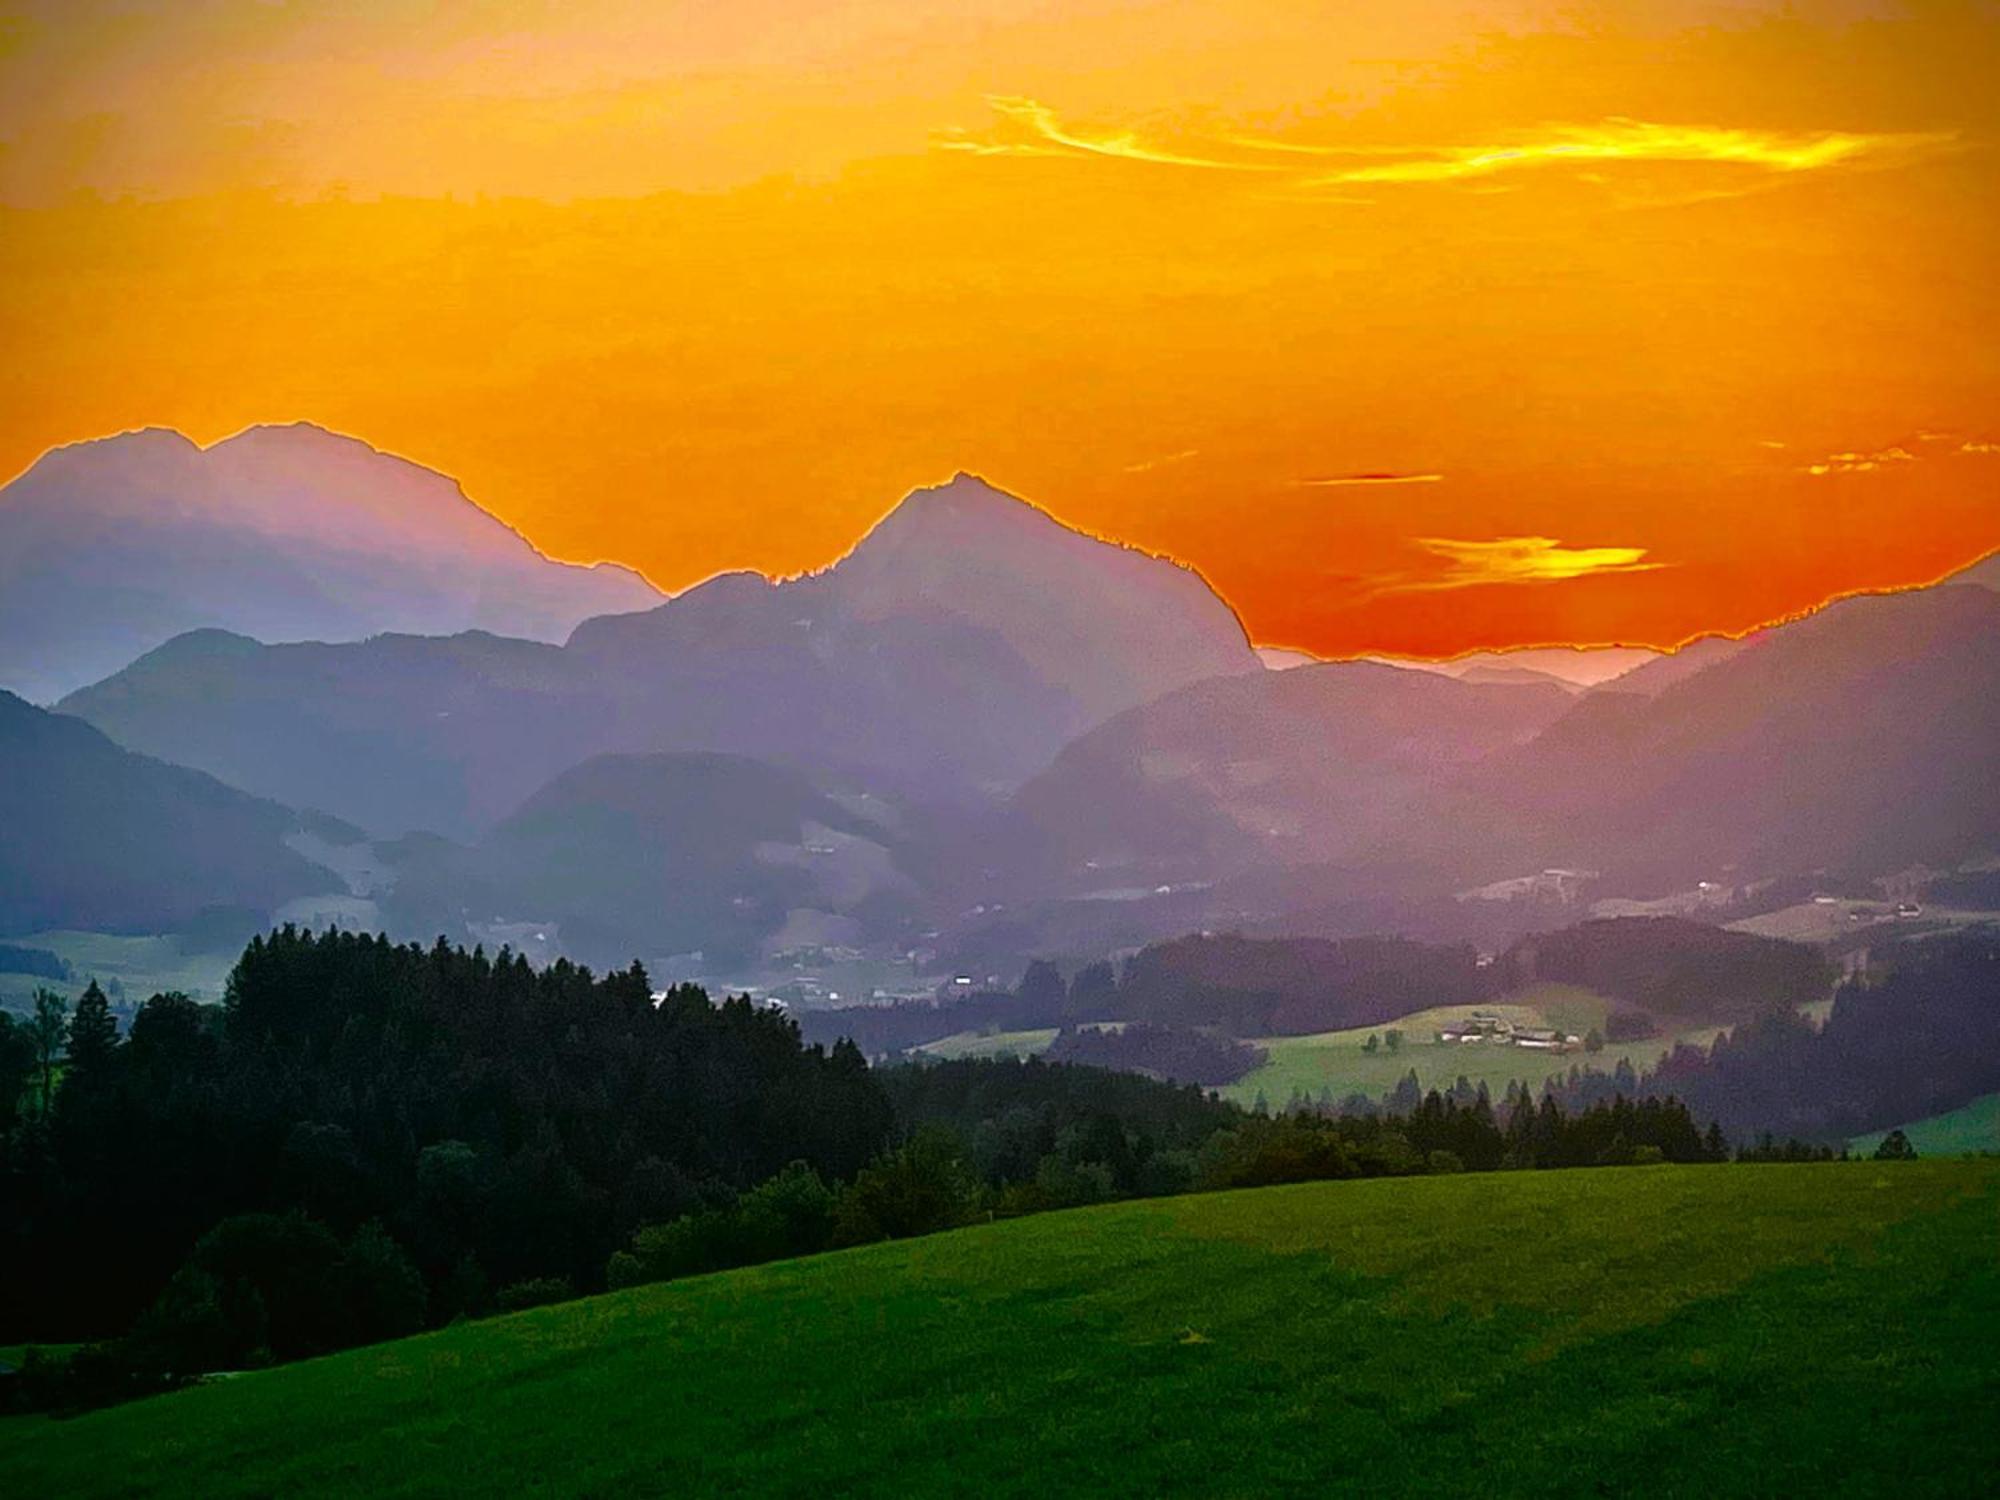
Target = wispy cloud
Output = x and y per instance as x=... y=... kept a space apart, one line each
x=1147 y=465
x=1860 y=463
x=1620 y=140
x=1033 y=129
x=1329 y=481
x=1514 y=560
x=1027 y=127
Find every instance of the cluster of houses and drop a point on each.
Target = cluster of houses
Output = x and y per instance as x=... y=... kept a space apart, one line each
x=1485 y=1026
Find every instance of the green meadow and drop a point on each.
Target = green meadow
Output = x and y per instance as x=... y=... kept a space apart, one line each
x=965 y=1044
x=1337 y=1061
x=142 y=965
x=1698 y=1331
x=1966 y=1131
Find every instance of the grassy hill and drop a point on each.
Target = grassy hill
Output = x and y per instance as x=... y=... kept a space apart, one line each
x=1696 y=1331
x=1966 y=1131
x=1335 y=1060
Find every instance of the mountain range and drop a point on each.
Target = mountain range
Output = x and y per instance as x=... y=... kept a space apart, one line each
x=962 y=642
x=980 y=730
x=112 y=547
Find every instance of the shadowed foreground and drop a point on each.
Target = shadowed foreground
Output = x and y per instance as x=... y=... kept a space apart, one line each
x=1700 y=1330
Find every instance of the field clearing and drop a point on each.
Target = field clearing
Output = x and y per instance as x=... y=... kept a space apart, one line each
x=1721 y=1330
x=964 y=1044
x=1966 y=1131
x=143 y=966
x=1333 y=1060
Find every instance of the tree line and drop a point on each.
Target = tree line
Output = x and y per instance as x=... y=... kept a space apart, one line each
x=367 y=1138
x=1915 y=1035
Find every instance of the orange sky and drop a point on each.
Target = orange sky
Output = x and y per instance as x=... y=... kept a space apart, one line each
x=1662 y=317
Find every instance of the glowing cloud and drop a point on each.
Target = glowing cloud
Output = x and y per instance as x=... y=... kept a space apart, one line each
x=1518 y=559
x=1633 y=141
x=1046 y=135
x=1031 y=128
x=1147 y=465
x=1860 y=463
x=1329 y=481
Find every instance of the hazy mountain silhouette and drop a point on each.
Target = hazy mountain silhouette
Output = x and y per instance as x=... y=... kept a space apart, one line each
x=953 y=651
x=1985 y=573
x=1304 y=765
x=109 y=548
x=659 y=854
x=1662 y=672
x=1859 y=738
x=92 y=836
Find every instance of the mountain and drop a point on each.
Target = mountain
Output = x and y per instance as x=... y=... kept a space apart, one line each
x=951 y=654
x=1579 y=666
x=109 y=548
x=1861 y=738
x=665 y=854
x=1309 y=764
x=92 y=836
x=968 y=631
x=1985 y=573
x=399 y=732
x=1652 y=677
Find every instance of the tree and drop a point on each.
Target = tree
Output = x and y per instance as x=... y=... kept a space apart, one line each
x=93 y=1039
x=382 y=1295
x=1594 y=1042
x=1093 y=994
x=17 y=1065
x=48 y=1030
x=1895 y=1147
x=1372 y=1045
x=1043 y=994
x=1392 y=1039
x=920 y=1188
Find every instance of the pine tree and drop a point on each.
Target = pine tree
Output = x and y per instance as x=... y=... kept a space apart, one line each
x=47 y=1031
x=93 y=1039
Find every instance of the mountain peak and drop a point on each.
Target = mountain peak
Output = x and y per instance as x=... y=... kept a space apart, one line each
x=965 y=493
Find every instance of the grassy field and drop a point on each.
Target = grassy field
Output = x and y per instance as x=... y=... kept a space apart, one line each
x=989 y=1044
x=1696 y=1331
x=1334 y=1059
x=144 y=966
x=1965 y=1131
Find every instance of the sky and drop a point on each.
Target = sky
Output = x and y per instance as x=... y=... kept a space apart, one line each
x=1417 y=327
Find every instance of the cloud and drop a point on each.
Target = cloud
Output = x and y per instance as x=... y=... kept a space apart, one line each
x=1860 y=463
x=1147 y=465
x=1620 y=140
x=1328 y=481
x=1028 y=127
x=1515 y=559
x=1034 y=130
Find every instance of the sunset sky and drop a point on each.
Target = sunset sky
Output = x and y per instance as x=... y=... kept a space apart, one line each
x=1416 y=326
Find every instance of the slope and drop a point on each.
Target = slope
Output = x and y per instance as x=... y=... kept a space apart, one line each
x=1616 y=1331
x=95 y=836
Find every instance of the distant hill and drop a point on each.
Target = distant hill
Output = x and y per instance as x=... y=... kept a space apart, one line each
x=110 y=548
x=1859 y=738
x=92 y=836
x=1985 y=573
x=1314 y=763
x=952 y=653
x=662 y=854
x=1663 y=671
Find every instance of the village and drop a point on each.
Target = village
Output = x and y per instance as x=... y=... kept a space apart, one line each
x=1483 y=1026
